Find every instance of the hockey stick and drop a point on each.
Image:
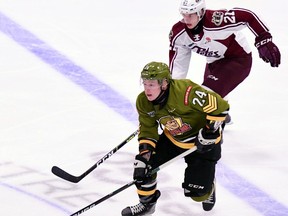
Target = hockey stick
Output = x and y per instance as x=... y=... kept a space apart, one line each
x=75 y=179
x=133 y=182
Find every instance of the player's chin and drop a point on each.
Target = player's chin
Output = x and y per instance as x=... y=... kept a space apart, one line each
x=190 y=26
x=150 y=97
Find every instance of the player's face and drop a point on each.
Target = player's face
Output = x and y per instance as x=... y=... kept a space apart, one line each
x=191 y=20
x=152 y=89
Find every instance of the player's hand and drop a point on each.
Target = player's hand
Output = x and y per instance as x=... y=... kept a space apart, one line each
x=141 y=169
x=268 y=51
x=206 y=139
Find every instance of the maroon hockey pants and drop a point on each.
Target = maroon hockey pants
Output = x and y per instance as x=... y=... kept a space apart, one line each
x=224 y=75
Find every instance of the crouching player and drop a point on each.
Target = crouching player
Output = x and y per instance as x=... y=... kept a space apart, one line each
x=188 y=115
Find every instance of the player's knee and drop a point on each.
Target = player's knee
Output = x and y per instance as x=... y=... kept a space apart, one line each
x=198 y=193
x=200 y=198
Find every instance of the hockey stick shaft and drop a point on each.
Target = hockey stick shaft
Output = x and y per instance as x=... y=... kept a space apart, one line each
x=133 y=182
x=75 y=179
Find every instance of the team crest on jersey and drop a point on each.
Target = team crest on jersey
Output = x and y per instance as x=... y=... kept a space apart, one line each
x=171 y=110
x=174 y=125
x=196 y=37
x=151 y=114
x=217 y=17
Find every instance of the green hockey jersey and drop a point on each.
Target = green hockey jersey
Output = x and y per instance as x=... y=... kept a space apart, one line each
x=187 y=109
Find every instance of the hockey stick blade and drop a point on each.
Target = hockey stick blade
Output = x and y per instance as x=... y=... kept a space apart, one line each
x=64 y=175
x=75 y=179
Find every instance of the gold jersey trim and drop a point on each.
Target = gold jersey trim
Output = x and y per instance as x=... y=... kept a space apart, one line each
x=147 y=141
x=146 y=193
x=212 y=104
x=177 y=143
x=186 y=145
x=215 y=118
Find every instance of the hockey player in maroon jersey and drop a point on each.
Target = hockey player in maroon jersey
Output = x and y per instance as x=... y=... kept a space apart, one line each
x=188 y=115
x=216 y=35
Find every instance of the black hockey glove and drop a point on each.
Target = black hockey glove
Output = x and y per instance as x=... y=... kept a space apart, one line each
x=268 y=51
x=206 y=139
x=141 y=169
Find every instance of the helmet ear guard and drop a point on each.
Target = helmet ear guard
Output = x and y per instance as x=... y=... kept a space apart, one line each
x=193 y=6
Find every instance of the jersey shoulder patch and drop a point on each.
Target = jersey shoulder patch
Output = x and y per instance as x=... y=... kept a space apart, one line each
x=214 y=18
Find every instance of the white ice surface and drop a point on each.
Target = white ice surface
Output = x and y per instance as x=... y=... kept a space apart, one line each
x=46 y=119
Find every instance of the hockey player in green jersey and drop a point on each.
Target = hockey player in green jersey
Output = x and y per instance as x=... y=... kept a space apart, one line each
x=188 y=115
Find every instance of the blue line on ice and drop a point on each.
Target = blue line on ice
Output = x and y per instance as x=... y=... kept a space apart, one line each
x=240 y=187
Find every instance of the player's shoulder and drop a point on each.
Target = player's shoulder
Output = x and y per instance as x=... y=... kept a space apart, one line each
x=141 y=97
x=142 y=102
x=177 y=28
x=183 y=84
x=180 y=25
